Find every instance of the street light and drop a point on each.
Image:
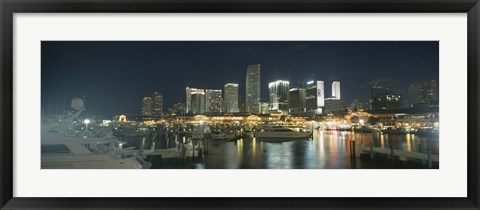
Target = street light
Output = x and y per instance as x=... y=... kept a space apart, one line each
x=86 y=121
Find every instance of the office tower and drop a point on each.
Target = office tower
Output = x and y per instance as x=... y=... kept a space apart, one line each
x=147 y=106
x=177 y=109
x=195 y=101
x=336 y=89
x=297 y=101
x=231 y=98
x=315 y=98
x=425 y=94
x=157 y=104
x=278 y=95
x=387 y=101
x=213 y=101
x=241 y=104
x=252 y=89
x=333 y=105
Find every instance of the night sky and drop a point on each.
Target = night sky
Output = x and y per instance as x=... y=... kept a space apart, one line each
x=114 y=76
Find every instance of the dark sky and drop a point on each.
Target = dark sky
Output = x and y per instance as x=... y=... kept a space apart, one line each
x=115 y=75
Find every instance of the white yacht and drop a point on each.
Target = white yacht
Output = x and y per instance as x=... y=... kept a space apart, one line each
x=61 y=150
x=279 y=132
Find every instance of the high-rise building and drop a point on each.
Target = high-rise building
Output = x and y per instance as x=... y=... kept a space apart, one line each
x=333 y=105
x=297 y=101
x=278 y=95
x=252 y=89
x=213 y=101
x=231 y=98
x=157 y=104
x=387 y=101
x=195 y=101
x=147 y=106
x=177 y=109
x=423 y=94
x=315 y=98
x=263 y=107
x=336 y=89
x=242 y=107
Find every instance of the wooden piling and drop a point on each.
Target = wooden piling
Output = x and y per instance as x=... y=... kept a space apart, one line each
x=391 y=150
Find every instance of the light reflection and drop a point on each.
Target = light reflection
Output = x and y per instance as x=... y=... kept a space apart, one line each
x=409 y=144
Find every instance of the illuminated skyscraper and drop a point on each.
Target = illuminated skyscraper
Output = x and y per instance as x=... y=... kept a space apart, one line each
x=157 y=104
x=213 y=101
x=278 y=95
x=195 y=101
x=147 y=106
x=336 y=89
x=252 y=93
x=315 y=98
x=231 y=98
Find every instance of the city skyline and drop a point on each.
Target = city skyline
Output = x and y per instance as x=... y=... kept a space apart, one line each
x=123 y=93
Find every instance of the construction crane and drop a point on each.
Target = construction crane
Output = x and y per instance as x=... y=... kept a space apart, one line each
x=377 y=84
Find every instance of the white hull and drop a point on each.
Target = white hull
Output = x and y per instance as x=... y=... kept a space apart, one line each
x=282 y=135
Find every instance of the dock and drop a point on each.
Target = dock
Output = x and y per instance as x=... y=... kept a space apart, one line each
x=401 y=154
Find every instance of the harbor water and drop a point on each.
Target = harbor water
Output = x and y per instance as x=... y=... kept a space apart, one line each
x=325 y=150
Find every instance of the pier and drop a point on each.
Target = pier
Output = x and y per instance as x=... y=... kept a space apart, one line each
x=401 y=154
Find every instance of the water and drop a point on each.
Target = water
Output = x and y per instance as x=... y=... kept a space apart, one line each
x=326 y=150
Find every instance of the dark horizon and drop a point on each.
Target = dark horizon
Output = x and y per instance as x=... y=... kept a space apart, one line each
x=114 y=76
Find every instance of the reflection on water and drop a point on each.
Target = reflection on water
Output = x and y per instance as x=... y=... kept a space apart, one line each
x=326 y=150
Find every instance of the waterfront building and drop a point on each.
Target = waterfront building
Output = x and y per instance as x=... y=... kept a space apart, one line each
x=229 y=117
x=147 y=106
x=336 y=89
x=333 y=105
x=315 y=97
x=157 y=104
x=231 y=98
x=213 y=101
x=195 y=101
x=387 y=101
x=278 y=96
x=252 y=89
x=297 y=101
x=413 y=117
x=423 y=94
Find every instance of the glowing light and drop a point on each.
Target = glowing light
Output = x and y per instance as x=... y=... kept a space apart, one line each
x=361 y=121
x=86 y=121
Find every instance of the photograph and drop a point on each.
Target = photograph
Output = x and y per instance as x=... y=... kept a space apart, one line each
x=240 y=105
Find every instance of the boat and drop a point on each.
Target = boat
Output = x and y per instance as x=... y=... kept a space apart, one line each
x=223 y=136
x=65 y=148
x=279 y=132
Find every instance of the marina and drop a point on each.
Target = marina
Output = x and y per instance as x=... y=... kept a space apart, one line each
x=321 y=149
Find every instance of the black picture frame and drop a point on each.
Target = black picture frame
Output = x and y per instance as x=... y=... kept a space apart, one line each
x=9 y=7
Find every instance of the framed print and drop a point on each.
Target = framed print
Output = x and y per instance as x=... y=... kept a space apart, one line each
x=239 y=105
